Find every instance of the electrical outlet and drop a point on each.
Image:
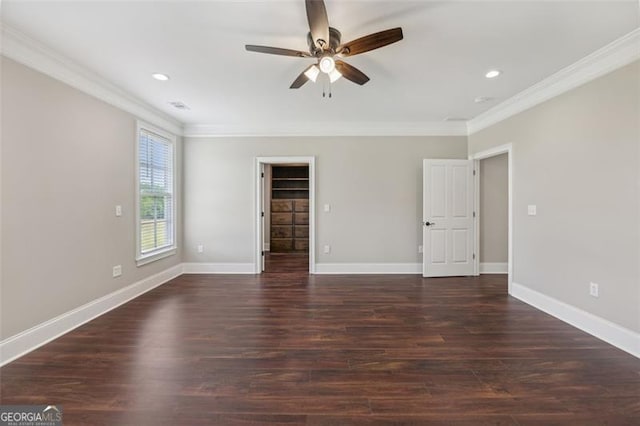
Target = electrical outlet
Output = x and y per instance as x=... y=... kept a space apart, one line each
x=117 y=271
x=594 y=290
x=327 y=249
x=118 y=211
x=200 y=248
x=532 y=210
x=419 y=249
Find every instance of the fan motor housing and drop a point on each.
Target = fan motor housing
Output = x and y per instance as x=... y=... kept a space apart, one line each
x=334 y=41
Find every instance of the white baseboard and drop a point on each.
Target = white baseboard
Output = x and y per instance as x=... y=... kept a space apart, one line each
x=368 y=268
x=494 y=268
x=218 y=268
x=618 y=336
x=28 y=340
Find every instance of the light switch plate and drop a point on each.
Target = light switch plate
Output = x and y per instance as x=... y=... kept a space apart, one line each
x=118 y=211
x=200 y=248
x=327 y=249
x=532 y=210
x=327 y=208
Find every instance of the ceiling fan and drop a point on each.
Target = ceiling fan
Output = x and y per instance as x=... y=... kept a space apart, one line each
x=325 y=46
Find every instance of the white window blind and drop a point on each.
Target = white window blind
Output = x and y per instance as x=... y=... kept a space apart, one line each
x=156 y=199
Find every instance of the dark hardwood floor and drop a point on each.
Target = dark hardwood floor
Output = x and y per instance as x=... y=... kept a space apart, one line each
x=286 y=263
x=328 y=350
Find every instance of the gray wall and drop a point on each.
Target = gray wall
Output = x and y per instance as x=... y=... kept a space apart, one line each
x=577 y=157
x=67 y=160
x=494 y=209
x=374 y=186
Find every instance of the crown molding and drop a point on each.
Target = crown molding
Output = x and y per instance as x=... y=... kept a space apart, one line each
x=27 y=51
x=617 y=54
x=327 y=129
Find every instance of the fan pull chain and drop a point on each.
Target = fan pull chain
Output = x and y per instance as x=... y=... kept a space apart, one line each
x=324 y=89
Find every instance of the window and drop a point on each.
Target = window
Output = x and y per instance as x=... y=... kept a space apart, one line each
x=156 y=200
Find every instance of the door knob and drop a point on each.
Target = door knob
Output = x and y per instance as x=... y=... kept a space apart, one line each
x=429 y=223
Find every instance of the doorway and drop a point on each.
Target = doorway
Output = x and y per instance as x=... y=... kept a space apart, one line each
x=286 y=202
x=285 y=220
x=493 y=214
x=480 y=240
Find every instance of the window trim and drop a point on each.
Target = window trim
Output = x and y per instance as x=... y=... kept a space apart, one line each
x=146 y=258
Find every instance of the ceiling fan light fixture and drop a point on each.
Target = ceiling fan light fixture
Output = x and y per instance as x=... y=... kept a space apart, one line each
x=326 y=48
x=312 y=73
x=334 y=75
x=327 y=64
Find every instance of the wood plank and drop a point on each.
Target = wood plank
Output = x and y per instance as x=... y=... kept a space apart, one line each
x=302 y=231
x=281 y=231
x=301 y=218
x=281 y=218
x=281 y=244
x=301 y=245
x=302 y=206
x=281 y=206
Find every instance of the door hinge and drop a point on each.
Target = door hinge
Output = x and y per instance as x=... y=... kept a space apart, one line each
x=474 y=172
x=263 y=252
x=263 y=214
x=474 y=256
x=474 y=214
x=263 y=174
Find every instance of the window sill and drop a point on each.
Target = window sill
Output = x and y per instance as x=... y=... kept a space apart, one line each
x=149 y=258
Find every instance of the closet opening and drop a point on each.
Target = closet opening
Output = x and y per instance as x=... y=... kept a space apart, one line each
x=287 y=218
x=285 y=222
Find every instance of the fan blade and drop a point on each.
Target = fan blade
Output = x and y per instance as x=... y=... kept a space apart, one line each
x=351 y=73
x=371 y=42
x=318 y=22
x=301 y=80
x=276 y=51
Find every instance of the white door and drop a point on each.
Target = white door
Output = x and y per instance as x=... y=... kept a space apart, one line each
x=448 y=218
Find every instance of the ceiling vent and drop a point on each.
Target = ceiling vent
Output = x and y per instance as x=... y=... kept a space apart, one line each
x=483 y=99
x=179 y=105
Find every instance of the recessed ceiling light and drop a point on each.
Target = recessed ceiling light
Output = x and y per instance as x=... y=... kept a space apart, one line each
x=159 y=76
x=493 y=73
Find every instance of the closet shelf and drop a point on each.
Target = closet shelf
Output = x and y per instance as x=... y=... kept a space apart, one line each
x=290 y=179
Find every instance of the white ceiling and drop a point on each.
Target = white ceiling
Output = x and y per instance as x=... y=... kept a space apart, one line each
x=435 y=72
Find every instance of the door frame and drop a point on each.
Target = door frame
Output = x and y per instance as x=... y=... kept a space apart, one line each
x=492 y=152
x=258 y=223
